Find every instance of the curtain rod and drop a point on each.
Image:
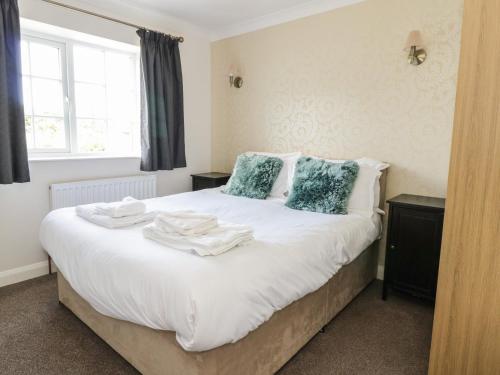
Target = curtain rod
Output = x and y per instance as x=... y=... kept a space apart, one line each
x=179 y=38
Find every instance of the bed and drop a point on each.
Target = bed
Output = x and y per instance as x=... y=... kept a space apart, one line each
x=247 y=311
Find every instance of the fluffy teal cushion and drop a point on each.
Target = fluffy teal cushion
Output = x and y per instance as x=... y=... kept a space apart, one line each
x=254 y=176
x=322 y=186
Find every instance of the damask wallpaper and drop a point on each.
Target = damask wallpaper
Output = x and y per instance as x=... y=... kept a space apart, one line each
x=338 y=85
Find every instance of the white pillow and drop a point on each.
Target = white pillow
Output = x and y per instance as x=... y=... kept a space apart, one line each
x=379 y=167
x=284 y=180
x=365 y=196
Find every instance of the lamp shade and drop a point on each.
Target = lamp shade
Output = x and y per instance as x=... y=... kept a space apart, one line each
x=233 y=70
x=414 y=40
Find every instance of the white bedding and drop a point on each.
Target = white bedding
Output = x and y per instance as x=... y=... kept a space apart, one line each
x=207 y=301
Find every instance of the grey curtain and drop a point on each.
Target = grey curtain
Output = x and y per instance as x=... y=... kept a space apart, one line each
x=162 y=106
x=13 y=152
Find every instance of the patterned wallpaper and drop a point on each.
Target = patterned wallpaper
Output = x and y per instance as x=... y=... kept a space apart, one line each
x=338 y=85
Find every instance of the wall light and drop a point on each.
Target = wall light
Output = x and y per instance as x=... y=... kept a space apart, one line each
x=414 y=45
x=235 y=79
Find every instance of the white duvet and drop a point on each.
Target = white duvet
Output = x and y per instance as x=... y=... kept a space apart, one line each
x=207 y=301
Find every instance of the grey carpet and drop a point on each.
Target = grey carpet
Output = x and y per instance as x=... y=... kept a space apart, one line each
x=39 y=336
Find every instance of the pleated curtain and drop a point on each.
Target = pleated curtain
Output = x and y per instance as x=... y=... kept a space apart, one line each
x=162 y=105
x=13 y=151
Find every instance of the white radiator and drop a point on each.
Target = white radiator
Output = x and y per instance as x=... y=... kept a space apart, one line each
x=106 y=190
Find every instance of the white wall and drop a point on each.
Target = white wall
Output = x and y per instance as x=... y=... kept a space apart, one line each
x=23 y=206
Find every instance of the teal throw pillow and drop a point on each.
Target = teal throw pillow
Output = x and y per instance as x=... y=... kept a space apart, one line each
x=254 y=176
x=322 y=186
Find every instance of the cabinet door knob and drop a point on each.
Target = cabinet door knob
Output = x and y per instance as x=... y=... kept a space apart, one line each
x=393 y=247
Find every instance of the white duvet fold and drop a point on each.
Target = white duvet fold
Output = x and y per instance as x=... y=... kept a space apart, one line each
x=88 y=212
x=218 y=240
x=129 y=206
x=187 y=223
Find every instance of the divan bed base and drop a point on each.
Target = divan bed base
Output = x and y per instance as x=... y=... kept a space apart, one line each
x=263 y=351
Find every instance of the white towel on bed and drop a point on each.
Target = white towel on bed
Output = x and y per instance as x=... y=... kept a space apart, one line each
x=88 y=212
x=216 y=241
x=187 y=223
x=129 y=206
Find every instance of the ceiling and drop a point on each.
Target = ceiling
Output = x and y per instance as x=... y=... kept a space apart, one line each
x=223 y=18
x=214 y=14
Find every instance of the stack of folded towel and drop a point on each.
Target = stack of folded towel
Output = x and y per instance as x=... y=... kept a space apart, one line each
x=186 y=223
x=191 y=231
x=121 y=214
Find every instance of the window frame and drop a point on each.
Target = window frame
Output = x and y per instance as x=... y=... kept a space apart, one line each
x=69 y=98
x=65 y=86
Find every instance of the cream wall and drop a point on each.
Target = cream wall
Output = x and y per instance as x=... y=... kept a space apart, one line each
x=24 y=205
x=338 y=85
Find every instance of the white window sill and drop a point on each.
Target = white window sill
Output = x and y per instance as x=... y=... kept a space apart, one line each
x=36 y=159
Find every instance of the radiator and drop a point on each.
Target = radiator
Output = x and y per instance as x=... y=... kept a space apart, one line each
x=106 y=190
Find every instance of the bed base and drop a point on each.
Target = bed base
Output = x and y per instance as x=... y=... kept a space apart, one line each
x=263 y=351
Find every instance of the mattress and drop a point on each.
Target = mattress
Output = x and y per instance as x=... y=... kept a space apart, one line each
x=207 y=301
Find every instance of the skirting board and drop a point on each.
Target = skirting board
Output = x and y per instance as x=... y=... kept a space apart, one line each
x=19 y=274
x=380 y=272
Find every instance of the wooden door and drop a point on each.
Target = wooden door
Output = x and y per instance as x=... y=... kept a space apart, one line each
x=466 y=333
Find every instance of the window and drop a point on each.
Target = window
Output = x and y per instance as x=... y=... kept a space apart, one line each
x=44 y=92
x=79 y=98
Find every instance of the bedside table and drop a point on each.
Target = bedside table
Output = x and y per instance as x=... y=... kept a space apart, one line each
x=209 y=180
x=413 y=245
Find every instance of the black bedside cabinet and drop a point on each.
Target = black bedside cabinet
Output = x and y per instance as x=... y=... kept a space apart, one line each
x=413 y=245
x=209 y=180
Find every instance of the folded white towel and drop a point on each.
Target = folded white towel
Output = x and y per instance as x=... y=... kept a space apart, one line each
x=88 y=212
x=127 y=207
x=187 y=223
x=217 y=241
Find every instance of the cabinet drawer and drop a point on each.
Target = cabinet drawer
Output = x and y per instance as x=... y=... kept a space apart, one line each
x=200 y=183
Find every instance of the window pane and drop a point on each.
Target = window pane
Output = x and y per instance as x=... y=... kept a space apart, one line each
x=28 y=124
x=90 y=100
x=49 y=133
x=122 y=104
x=91 y=135
x=45 y=60
x=25 y=57
x=121 y=136
x=28 y=108
x=89 y=64
x=120 y=71
x=47 y=97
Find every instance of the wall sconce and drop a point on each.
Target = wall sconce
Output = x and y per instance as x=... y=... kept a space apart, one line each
x=414 y=46
x=235 y=79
